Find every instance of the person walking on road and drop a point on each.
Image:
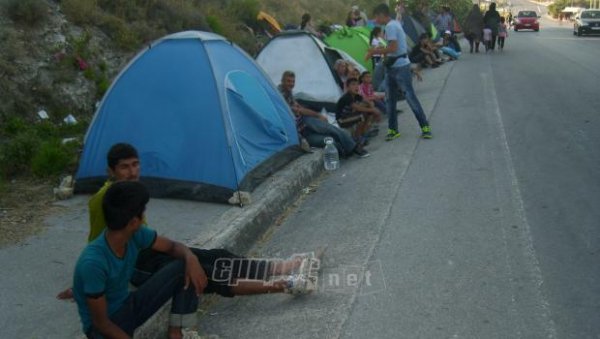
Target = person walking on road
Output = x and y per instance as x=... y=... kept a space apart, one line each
x=502 y=33
x=474 y=28
x=492 y=21
x=398 y=73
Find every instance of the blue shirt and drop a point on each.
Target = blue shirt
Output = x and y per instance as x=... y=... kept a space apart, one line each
x=100 y=272
x=395 y=32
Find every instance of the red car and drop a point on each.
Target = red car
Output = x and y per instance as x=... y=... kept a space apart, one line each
x=527 y=20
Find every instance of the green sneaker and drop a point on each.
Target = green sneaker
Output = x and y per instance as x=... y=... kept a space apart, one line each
x=426 y=132
x=392 y=134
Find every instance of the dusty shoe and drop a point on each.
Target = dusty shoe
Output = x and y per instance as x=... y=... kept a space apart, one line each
x=308 y=263
x=300 y=284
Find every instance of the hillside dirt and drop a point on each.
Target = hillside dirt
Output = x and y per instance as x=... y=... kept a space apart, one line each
x=24 y=203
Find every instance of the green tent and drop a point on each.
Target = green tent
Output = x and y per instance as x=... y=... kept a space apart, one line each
x=354 y=41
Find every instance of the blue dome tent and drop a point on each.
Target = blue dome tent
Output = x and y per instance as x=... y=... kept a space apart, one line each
x=205 y=119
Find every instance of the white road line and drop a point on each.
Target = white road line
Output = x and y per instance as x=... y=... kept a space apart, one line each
x=491 y=96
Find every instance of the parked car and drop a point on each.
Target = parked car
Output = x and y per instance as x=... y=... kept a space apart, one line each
x=587 y=22
x=527 y=20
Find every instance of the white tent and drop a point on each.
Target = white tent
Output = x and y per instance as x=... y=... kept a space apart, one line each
x=311 y=60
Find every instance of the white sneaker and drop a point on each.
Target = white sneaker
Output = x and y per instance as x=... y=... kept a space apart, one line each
x=300 y=284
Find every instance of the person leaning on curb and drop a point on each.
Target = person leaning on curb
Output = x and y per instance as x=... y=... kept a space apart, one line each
x=242 y=277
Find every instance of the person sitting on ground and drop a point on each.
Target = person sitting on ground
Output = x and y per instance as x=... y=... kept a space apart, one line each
x=315 y=126
x=368 y=93
x=353 y=112
x=341 y=68
x=422 y=53
x=434 y=47
x=106 y=265
x=353 y=71
x=124 y=165
x=450 y=46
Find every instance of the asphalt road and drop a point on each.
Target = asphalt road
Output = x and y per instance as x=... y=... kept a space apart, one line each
x=490 y=230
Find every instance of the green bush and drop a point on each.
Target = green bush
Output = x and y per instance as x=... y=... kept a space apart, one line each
x=13 y=126
x=175 y=16
x=120 y=32
x=81 y=12
x=145 y=32
x=16 y=153
x=45 y=130
x=245 y=11
x=102 y=85
x=51 y=159
x=30 y=12
x=215 y=24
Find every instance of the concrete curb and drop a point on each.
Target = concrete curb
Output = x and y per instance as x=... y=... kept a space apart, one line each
x=242 y=227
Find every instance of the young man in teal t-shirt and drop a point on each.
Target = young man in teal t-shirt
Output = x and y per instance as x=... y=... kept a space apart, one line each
x=102 y=273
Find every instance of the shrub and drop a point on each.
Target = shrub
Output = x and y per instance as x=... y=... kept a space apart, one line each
x=30 y=12
x=175 y=15
x=16 y=154
x=51 y=159
x=13 y=126
x=245 y=11
x=81 y=12
x=45 y=130
x=118 y=30
x=145 y=32
x=215 y=24
x=89 y=74
x=102 y=85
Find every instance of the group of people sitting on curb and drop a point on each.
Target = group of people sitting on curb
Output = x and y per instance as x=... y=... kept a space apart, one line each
x=122 y=249
x=360 y=109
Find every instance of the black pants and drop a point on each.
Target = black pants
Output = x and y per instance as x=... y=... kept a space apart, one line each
x=493 y=42
x=222 y=267
x=501 y=42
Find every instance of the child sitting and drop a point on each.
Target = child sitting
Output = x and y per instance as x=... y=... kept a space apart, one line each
x=450 y=46
x=366 y=91
x=424 y=54
x=353 y=113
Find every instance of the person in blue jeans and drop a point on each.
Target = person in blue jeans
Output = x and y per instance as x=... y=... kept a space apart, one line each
x=398 y=73
x=108 y=309
x=101 y=280
x=314 y=126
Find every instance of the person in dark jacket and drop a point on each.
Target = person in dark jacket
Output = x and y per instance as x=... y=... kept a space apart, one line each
x=474 y=28
x=491 y=19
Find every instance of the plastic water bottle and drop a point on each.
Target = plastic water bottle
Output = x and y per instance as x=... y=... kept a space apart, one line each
x=331 y=158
